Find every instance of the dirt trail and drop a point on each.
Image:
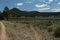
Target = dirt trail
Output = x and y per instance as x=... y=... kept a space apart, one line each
x=3 y=32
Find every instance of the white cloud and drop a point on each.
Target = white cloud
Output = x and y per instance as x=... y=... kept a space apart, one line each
x=41 y=5
x=56 y=10
x=58 y=2
x=47 y=1
x=30 y=1
x=19 y=4
x=50 y=0
x=41 y=9
x=18 y=7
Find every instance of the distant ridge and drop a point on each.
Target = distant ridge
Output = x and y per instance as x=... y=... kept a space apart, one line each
x=15 y=12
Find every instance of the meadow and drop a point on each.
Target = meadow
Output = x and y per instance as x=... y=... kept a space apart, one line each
x=32 y=29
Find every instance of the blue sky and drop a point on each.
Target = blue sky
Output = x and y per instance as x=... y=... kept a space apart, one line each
x=32 y=5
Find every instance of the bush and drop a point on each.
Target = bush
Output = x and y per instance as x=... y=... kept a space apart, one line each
x=57 y=31
x=49 y=29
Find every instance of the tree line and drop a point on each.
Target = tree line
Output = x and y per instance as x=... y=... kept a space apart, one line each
x=14 y=12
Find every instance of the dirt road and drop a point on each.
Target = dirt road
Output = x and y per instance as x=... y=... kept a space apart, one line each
x=3 y=32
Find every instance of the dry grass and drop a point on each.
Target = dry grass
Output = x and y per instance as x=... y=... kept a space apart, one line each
x=19 y=31
x=0 y=30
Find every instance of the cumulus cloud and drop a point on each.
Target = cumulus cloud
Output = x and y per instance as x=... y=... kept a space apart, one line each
x=19 y=4
x=41 y=5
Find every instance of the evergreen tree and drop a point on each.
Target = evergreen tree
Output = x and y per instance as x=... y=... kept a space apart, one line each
x=6 y=12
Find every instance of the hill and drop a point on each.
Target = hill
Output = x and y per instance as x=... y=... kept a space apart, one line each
x=14 y=12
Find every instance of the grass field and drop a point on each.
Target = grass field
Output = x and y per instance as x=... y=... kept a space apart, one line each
x=31 y=29
x=0 y=30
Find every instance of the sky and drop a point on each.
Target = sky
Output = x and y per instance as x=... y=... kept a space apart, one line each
x=32 y=5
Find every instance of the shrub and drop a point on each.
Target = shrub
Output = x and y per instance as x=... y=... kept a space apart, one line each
x=49 y=29
x=57 y=31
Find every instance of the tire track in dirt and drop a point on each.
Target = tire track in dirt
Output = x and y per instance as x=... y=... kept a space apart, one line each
x=3 y=32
